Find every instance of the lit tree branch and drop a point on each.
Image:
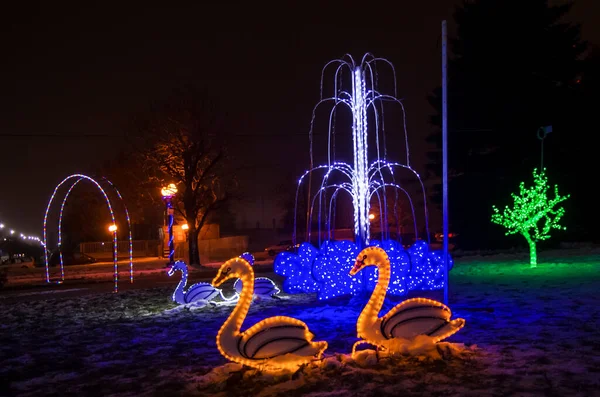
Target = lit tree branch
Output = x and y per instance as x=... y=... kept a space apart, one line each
x=533 y=214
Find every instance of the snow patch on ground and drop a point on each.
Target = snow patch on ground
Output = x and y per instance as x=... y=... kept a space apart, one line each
x=528 y=331
x=61 y=291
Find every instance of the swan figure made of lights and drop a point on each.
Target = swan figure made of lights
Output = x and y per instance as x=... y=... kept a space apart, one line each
x=404 y=322
x=197 y=294
x=264 y=287
x=275 y=343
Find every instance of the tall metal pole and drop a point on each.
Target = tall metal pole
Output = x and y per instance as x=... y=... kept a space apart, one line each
x=168 y=193
x=445 y=155
x=170 y=213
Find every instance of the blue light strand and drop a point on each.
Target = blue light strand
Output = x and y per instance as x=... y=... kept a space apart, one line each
x=171 y=217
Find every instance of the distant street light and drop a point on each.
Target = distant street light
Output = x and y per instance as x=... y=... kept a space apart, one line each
x=112 y=228
x=12 y=232
x=185 y=227
x=371 y=216
x=168 y=193
x=1 y=225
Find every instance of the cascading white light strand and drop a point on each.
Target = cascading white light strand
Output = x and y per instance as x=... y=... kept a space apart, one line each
x=364 y=176
x=359 y=134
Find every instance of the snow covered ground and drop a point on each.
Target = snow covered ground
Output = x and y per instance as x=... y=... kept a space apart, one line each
x=528 y=332
x=100 y=270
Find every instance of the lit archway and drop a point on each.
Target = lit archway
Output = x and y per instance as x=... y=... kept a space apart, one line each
x=78 y=178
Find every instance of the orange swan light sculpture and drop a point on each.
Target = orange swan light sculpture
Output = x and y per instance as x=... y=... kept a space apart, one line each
x=407 y=320
x=275 y=343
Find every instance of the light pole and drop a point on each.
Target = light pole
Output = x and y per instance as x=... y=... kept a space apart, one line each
x=167 y=194
x=112 y=229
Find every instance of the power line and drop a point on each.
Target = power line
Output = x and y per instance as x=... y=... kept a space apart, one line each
x=59 y=135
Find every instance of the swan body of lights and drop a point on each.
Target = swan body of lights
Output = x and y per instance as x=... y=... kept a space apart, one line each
x=404 y=322
x=275 y=343
x=264 y=287
x=197 y=293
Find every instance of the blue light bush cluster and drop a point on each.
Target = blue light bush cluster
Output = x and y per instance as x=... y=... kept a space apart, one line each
x=326 y=270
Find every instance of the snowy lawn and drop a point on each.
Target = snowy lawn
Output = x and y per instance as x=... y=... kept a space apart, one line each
x=528 y=332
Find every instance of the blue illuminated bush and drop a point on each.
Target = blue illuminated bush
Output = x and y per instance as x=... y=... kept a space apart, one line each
x=326 y=270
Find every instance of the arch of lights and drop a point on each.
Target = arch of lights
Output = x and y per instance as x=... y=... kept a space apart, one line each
x=369 y=178
x=74 y=180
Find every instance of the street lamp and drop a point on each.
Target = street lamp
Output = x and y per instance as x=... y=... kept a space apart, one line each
x=112 y=228
x=371 y=216
x=168 y=193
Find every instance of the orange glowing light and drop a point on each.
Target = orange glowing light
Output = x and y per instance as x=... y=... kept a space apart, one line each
x=373 y=329
x=169 y=191
x=241 y=347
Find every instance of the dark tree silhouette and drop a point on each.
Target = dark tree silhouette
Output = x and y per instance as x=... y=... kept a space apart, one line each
x=183 y=141
x=515 y=66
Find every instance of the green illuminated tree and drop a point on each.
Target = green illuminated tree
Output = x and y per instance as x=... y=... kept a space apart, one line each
x=533 y=214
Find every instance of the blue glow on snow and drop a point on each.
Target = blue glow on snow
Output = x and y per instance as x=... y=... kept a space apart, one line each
x=326 y=270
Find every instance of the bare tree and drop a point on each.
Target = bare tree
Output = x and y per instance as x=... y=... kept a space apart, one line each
x=183 y=142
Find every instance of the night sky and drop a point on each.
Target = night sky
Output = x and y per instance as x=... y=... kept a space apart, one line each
x=74 y=76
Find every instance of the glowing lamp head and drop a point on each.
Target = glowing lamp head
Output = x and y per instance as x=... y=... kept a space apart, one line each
x=233 y=268
x=112 y=228
x=371 y=216
x=1 y=225
x=12 y=232
x=169 y=191
x=185 y=226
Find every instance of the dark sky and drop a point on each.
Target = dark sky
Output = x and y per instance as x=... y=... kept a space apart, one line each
x=71 y=71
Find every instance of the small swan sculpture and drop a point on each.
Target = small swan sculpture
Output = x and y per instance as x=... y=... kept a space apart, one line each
x=197 y=293
x=404 y=322
x=275 y=343
x=264 y=287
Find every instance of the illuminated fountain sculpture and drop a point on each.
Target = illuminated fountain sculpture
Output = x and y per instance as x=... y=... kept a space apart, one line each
x=369 y=179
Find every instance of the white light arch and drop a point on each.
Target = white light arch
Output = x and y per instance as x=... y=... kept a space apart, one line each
x=78 y=178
